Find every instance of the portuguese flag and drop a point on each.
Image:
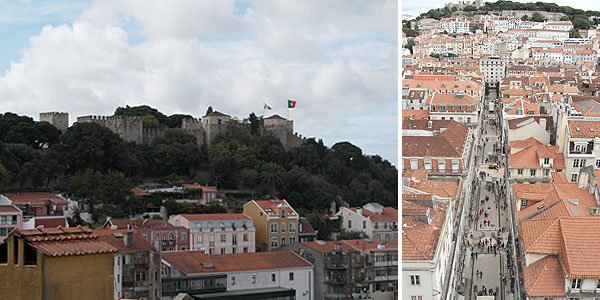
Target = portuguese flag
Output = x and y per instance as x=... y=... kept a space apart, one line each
x=291 y=104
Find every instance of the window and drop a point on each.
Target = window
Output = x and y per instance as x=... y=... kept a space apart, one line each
x=546 y=161
x=291 y=276
x=597 y=163
x=211 y=240
x=532 y=172
x=232 y=280
x=282 y=242
x=199 y=239
x=234 y=250
x=416 y=297
x=171 y=236
x=364 y=224
x=223 y=238
x=234 y=239
x=253 y=280
x=145 y=236
x=576 y=163
x=292 y=227
x=273 y=227
x=222 y=250
x=211 y=251
x=30 y=255
x=292 y=240
x=273 y=277
x=164 y=236
x=158 y=236
x=274 y=242
x=245 y=237
x=582 y=164
x=575 y=284
x=245 y=249
x=15 y=250
x=349 y=223
x=415 y=280
x=183 y=236
x=2 y=220
x=283 y=227
x=4 y=253
x=519 y=171
x=574 y=177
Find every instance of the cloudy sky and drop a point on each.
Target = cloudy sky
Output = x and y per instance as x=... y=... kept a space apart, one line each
x=415 y=8
x=337 y=58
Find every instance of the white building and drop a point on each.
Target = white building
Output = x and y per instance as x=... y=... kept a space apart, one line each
x=559 y=25
x=243 y=271
x=377 y=222
x=426 y=260
x=493 y=69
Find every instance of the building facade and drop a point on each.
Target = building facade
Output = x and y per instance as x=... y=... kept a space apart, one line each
x=218 y=233
x=157 y=232
x=493 y=69
x=377 y=222
x=10 y=218
x=276 y=223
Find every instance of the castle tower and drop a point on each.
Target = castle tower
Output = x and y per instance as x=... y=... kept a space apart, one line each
x=213 y=124
x=60 y=120
x=278 y=127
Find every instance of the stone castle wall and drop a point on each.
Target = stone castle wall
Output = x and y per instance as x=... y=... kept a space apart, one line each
x=60 y=120
x=552 y=16
x=131 y=129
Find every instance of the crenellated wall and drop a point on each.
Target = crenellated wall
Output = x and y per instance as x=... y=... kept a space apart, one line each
x=60 y=120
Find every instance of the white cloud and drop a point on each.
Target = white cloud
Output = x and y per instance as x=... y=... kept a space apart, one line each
x=336 y=58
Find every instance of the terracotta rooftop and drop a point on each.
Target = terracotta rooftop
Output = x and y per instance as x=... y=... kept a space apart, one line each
x=35 y=198
x=271 y=204
x=208 y=217
x=529 y=157
x=419 y=239
x=440 y=188
x=581 y=255
x=115 y=238
x=584 y=129
x=62 y=241
x=388 y=214
x=522 y=144
x=439 y=98
x=415 y=114
x=196 y=262
x=304 y=226
x=544 y=278
x=448 y=143
x=412 y=209
x=9 y=209
x=197 y=186
x=139 y=192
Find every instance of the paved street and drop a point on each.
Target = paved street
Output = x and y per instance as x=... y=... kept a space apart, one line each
x=485 y=264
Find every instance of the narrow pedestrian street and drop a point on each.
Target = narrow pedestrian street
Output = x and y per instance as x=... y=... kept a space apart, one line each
x=486 y=267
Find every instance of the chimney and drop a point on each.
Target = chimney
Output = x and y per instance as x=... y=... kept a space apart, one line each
x=429 y=124
x=128 y=239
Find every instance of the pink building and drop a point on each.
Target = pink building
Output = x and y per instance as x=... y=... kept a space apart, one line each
x=157 y=232
x=204 y=193
x=218 y=233
x=11 y=217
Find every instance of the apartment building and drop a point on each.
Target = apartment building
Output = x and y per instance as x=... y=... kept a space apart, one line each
x=157 y=232
x=269 y=275
x=426 y=242
x=377 y=222
x=439 y=146
x=276 y=223
x=218 y=233
x=136 y=264
x=581 y=146
x=459 y=107
x=534 y=163
x=493 y=69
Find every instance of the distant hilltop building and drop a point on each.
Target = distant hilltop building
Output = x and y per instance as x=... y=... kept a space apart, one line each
x=407 y=17
x=60 y=120
x=463 y=4
x=131 y=129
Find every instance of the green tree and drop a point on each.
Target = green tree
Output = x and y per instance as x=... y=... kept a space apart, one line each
x=92 y=146
x=537 y=17
x=410 y=43
x=271 y=178
x=581 y=22
x=574 y=33
x=149 y=121
x=435 y=55
x=525 y=18
x=255 y=124
x=141 y=111
x=565 y=18
x=409 y=32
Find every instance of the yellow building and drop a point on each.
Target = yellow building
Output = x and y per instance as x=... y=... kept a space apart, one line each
x=56 y=263
x=276 y=223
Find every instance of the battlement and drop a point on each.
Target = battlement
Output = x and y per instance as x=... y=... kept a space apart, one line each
x=55 y=113
x=60 y=120
x=96 y=118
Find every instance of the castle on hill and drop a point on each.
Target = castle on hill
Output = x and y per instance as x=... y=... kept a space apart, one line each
x=205 y=129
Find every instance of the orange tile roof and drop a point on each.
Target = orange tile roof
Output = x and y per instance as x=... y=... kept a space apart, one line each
x=328 y=246
x=139 y=192
x=201 y=187
x=540 y=235
x=107 y=236
x=388 y=214
x=452 y=99
x=195 y=262
x=563 y=208
x=581 y=254
x=419 y=174
x=513 y=123
x=440 y=188
x=415 y=114
x=525 y=106
x=419 y=240
x=412 y=209
x=9 y=208
x=525 y=143
x=558 y=88
x=584 y=129
x=206 y=217
x=35 y=198
x=449 y=143
x=544 y=278
x=305 y=227
x=62 y=241
x=270 y=204
x=529 y=157
x=559 y=177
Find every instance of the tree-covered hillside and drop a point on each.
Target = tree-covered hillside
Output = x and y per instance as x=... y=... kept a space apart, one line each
x=94 y=163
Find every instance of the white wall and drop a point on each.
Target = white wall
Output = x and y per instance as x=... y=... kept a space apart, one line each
x=302 y=283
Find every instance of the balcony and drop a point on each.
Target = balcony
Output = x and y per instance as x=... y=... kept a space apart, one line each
x=168 y=242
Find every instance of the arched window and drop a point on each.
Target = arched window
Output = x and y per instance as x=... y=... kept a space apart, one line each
x=292 y=227
x=283 y=227
x=171 y=236
x=164 y=236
